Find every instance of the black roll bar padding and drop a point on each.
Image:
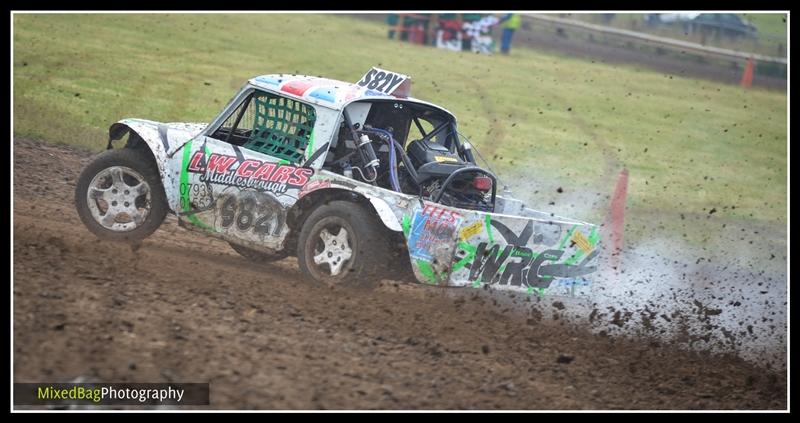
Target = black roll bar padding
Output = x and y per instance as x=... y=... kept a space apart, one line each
x=451 y=142
x=239 y=117
x=407 y=162
x=419 y=126
x=468 y=170
x=436 y=130
x=349 y=124
x=366 y=152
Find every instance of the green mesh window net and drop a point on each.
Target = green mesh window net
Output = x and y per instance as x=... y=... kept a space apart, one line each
x=281 y=128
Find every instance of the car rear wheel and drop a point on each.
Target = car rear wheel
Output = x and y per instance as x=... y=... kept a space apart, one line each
x=342 y=243
x=119 y=195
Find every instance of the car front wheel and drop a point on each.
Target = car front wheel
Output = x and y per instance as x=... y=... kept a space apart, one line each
x=119 y=195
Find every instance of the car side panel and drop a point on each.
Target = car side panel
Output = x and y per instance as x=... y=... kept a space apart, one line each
x=238 y=194
x=457 y=247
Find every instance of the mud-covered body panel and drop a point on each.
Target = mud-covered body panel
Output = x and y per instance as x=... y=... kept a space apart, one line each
x=163 y=140
x=457 y=247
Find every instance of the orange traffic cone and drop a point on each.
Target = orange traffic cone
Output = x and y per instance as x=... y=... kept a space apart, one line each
x=747 y=76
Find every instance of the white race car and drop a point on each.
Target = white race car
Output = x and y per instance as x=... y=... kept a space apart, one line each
x=358 y=181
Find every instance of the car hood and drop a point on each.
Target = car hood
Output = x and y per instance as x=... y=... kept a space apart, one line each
x=190 y=127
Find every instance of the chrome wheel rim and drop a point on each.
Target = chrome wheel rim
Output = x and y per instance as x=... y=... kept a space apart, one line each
x=119 y=199
x=332 y=250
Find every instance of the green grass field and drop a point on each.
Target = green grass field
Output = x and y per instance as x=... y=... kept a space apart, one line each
x=772 y=24
x=691 y=145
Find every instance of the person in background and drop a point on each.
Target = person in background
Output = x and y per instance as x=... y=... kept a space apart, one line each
x=467 y=19
x=391 y=19
x=510 y=23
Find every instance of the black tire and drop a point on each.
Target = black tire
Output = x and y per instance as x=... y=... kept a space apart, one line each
x=258 y=256
x=367 y=240
x=139 y=161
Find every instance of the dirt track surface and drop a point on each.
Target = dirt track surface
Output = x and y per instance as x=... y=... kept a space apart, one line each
x=185 y=308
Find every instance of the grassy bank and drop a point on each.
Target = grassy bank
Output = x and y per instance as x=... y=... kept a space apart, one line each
x=691 y=146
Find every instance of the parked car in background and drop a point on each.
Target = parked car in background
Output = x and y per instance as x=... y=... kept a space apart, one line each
x=725 y=24
x=671 y=17
x=728 y=25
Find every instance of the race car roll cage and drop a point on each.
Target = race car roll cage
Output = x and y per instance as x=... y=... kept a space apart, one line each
x=365 y=149
x=369 y=157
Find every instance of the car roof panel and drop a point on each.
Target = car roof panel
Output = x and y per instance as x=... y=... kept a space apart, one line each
x=325 y=92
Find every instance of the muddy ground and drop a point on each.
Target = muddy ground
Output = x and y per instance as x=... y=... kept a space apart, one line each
x=185 y=308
